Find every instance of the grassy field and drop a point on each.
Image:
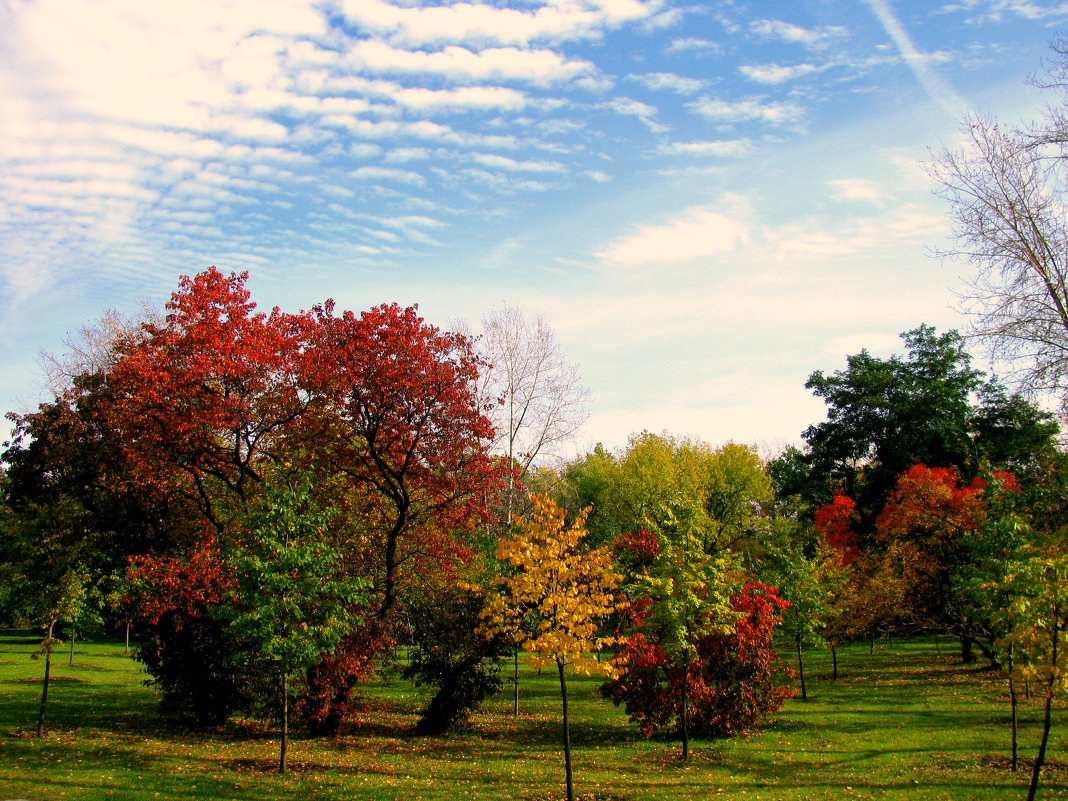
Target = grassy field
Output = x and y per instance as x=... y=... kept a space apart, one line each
x=905 y=723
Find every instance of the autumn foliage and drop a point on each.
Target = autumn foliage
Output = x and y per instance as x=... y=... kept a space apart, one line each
x=734 y=681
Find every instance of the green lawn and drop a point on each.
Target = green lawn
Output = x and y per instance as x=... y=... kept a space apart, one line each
x=906 y=723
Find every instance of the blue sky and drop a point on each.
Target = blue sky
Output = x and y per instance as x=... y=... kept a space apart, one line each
x=706 y=201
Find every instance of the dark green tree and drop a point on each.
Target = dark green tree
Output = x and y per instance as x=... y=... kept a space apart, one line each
x=929 y=407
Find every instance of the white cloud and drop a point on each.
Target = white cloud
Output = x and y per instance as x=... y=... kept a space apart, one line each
x=920 y=63
x=784 y=31
x=460 y=64
x=629 y=107
x=776 y=74
x=478 y=23
x=695 y=233
x=671 y=82
x=750 y=109
x=387 y=174
x=512 y=165
x=694 y=45
x=716 y=147
x=857 y=189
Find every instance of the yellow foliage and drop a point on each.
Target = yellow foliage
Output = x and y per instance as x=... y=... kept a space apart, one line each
x=552 y=604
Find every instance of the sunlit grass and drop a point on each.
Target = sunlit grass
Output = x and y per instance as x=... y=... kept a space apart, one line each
x=905 y=723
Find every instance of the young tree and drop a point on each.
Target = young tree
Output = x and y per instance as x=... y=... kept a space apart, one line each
x=554 y=601
x=1038 y=583
x=292 y=603
x=62 y=600
x=683 y=593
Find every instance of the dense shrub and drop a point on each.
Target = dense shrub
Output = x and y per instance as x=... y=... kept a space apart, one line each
x=733 y=683
x=446 y=653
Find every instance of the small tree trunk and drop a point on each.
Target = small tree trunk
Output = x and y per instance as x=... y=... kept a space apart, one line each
x=126 y=650
x=515 y=683
x=567 y=732
x=1041 y=758
x=72 y=633
x=801 y=669
x=834 y=662
x=47 y=677
x=686 y=711
x=871 y=646
x=285 y=724
x=1015 y=716
x=966 y=654
x=1051 y=687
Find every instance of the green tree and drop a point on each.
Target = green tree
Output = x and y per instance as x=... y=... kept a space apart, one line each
x=930 y=407
x=555 y=599
x=1038 y=634
x=293 y=603
x=689 y=590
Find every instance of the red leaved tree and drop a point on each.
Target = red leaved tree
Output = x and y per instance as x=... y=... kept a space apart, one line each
x=733 y=682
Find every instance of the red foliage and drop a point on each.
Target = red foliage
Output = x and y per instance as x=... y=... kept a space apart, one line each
x=637 y=549
x=186 y=585
x=928 y=503
x=205 y=394
x=833 y=522
x=732 y=682
x=394 y=409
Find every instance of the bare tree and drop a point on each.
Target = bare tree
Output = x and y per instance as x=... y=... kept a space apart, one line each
x=93 y=348
x=1005 y=195
x=542 y=397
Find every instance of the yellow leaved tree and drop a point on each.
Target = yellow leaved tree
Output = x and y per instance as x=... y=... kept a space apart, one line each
x=555 y=598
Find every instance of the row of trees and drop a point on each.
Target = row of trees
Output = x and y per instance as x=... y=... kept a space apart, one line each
x=277 y=500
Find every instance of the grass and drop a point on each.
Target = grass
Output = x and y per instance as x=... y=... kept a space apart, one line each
x=905 y=723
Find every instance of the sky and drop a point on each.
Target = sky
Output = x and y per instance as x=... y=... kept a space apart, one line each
x=707 y=201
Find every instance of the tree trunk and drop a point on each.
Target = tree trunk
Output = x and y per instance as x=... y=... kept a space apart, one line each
x=967 y=656
x=47 y=677
x=686 y=711
x=1051 y=686
x=871 y=646
x=567 y=732
x=1041 y=758
x=126 y=650
x=834 y=662
x=1015 y=711
x=285 y=724
x=72 y=633
x=801 y=669
x=515 y=683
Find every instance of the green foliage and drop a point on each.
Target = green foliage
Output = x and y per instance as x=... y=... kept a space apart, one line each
x=291 y=601
x=931 y=407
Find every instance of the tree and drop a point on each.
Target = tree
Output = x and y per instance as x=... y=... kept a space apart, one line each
x=62 y=600
x=932 y=408
x=733 y=682
x=202 y=401
x=683 y=592
x=555 y=599
x=809 y=576
x=1038 y=584
x=448 y=653
x=726 y=487
x=536 y=396
x=395 y=412
x=292 y=604
x=1004 y=195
